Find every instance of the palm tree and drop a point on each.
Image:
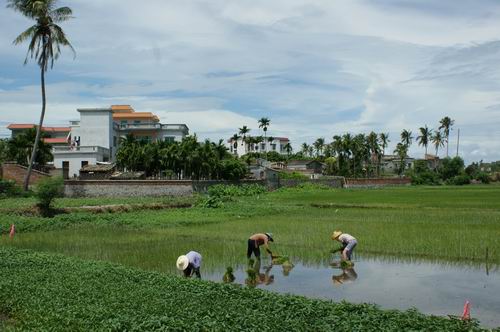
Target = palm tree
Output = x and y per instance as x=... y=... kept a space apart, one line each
x=243 y=131
x=446 y=124
x=384 y=140
x=438 y=140
x=45 y=41
x=406 y=137
x=318 y=146
x=373 y=144
x=401 y=151
x=288 y=149
x=424 y=137
x=264 y=123
x=304 y=148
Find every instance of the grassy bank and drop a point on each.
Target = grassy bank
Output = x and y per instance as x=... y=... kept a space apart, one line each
x=77 y=295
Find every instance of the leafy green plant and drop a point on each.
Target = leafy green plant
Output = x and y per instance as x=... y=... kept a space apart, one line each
x=228 y=276
x=459 y=180
x=46 y=191
x=9 y=188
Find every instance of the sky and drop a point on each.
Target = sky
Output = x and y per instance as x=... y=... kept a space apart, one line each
x=316 y=68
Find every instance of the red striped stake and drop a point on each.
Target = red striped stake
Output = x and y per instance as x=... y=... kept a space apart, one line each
x=466 y=313
x=12 y=231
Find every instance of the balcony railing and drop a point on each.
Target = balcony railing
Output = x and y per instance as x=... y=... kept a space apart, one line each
x=76 y=149
x=126 y=126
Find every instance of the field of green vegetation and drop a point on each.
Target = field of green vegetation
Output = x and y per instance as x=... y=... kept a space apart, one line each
x=75 y=295
x=446 y=224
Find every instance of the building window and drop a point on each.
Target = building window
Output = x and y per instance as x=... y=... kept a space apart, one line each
x=169 y=139
x=84 y=163
x=273 y=146
x=136 y=122
x=114 y=141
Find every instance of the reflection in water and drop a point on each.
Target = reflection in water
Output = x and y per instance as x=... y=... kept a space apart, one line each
x=347 y=275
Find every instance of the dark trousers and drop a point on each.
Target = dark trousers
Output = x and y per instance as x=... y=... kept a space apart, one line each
x=253 y=247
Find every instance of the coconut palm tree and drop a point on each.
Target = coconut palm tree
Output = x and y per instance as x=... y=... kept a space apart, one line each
x=401 y=151
x=318 y=146
x=406 y=137
x=45 y=40
x=446 y=124
x=305 y=149
x=438 y=140
x=424 y=137
x=264 y=124
x=288 y=149
x=374 y=146
x=384 y=141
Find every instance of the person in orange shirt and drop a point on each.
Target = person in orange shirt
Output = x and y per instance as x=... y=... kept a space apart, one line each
x=257 y=240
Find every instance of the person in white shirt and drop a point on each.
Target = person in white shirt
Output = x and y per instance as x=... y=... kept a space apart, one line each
x=190 y=264
x=349 y=242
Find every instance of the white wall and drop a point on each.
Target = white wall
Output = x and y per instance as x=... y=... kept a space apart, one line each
x=96 y=127
x=75 y=161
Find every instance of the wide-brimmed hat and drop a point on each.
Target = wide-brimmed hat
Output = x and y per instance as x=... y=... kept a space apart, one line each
x=336 y=234
x=182 y=262
x=270 y=236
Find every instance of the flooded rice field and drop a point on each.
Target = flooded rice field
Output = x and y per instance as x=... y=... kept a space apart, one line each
x=433 y=287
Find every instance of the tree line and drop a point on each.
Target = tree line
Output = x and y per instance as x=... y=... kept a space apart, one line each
x=188 y=159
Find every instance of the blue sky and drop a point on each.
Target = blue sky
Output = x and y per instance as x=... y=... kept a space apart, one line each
x=316 y=68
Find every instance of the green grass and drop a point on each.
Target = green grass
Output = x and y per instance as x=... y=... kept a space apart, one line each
x=436 y=223
x=75 y=295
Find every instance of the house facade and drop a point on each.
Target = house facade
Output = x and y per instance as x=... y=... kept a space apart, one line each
x=241 y=147
x=56 y=136
x=390 y=164
x=95 y=138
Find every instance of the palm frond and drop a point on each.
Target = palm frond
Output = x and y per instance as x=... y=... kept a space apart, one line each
x=61 y=14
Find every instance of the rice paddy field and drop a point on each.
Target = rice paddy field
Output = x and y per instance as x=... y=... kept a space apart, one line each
x=436 y=227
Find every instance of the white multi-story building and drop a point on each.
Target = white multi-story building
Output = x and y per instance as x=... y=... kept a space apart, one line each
x=242 y=146
x=96 y=136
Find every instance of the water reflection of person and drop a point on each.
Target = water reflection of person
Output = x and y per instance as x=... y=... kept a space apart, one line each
x=264 y=278
x=347 y=276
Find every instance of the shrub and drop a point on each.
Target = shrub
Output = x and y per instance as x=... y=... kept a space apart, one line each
x=425 y=178
x=293 y=176
x=46 y=191
x=9 y=188
x=483 y=177
x=233 y=169
x=459 y=180
x=451 y=167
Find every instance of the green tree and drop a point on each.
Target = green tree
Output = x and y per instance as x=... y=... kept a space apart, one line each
x=20 y=148
x=406 y=137
x=243 y=131
x=401 y=151
x=318 y=146
x=446 y=123
x=384 y=141
x=424 y=137
x=4 y=149
x=264 y=124
x=45 y=40
x=437 y=140
x=288 y=149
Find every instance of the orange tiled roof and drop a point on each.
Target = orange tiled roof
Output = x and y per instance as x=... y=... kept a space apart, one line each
x=30 y=125
x=55 y=140
x=135 y=115
x=122 y=108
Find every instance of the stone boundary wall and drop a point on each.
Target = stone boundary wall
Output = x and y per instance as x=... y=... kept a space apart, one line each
x=16 y=172
x=334 y=183
x=133 y=188
x=378 y=182
x=126 y=188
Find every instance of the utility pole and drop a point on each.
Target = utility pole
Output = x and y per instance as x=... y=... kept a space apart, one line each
x=458 y=140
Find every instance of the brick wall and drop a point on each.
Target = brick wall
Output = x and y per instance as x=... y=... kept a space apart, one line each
x=13 y=171
x=380 y=182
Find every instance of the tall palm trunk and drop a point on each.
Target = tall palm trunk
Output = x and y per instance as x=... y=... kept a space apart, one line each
x=38 y=132
x=447 y=139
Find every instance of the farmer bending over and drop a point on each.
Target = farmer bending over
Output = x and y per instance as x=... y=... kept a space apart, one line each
x=255 y=241
x=190 y=263
x=349 y=242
